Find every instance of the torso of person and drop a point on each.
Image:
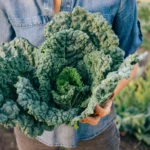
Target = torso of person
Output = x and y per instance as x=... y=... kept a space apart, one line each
x=27 y=19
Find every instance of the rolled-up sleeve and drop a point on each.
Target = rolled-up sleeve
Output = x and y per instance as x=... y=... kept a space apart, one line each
x=7 y=32
x=127 y=27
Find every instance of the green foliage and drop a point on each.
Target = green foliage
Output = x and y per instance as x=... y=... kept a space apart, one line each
x=67 y=78
x=70 y=91
x=133 y=108
x=77 y=67
x=143 y=13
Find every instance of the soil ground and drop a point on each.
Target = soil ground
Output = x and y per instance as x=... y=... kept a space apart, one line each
x=7 y=141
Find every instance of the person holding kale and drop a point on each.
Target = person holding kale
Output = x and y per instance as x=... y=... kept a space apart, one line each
x=27 y=19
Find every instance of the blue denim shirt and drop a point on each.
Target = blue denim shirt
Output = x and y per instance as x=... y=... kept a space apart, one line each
x=27 y=18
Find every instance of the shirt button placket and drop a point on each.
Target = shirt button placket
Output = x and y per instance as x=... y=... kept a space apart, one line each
x=48 y=8
x=68 y=4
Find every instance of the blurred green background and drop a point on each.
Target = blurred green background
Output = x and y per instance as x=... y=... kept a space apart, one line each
x=144 y=16
x=132 y=104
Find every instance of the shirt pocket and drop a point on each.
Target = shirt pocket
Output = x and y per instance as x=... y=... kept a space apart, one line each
x=30 y=21
x=31 y=28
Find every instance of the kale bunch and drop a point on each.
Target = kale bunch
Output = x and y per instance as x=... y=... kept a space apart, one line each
x=77 y=67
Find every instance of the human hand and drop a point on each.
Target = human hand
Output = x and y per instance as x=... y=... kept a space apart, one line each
x=99 y=113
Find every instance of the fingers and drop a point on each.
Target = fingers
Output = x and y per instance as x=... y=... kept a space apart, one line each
x=104 y=111
x=108 y=104
x=91 y=120
x=99 y=112
x=112 y=96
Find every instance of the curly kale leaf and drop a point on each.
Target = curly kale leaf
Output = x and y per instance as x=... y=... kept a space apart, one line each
x=77 y=67
x=29 y=99
x=70 y=90
x=104 y=90
x=62 y=49
x=14 y=63
x=94 y=25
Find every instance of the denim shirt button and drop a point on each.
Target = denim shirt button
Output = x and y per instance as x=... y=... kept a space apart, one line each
x=68 y=5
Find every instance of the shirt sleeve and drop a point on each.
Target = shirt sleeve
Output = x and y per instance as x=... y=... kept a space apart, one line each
x=127 y=27
x=7 y=32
